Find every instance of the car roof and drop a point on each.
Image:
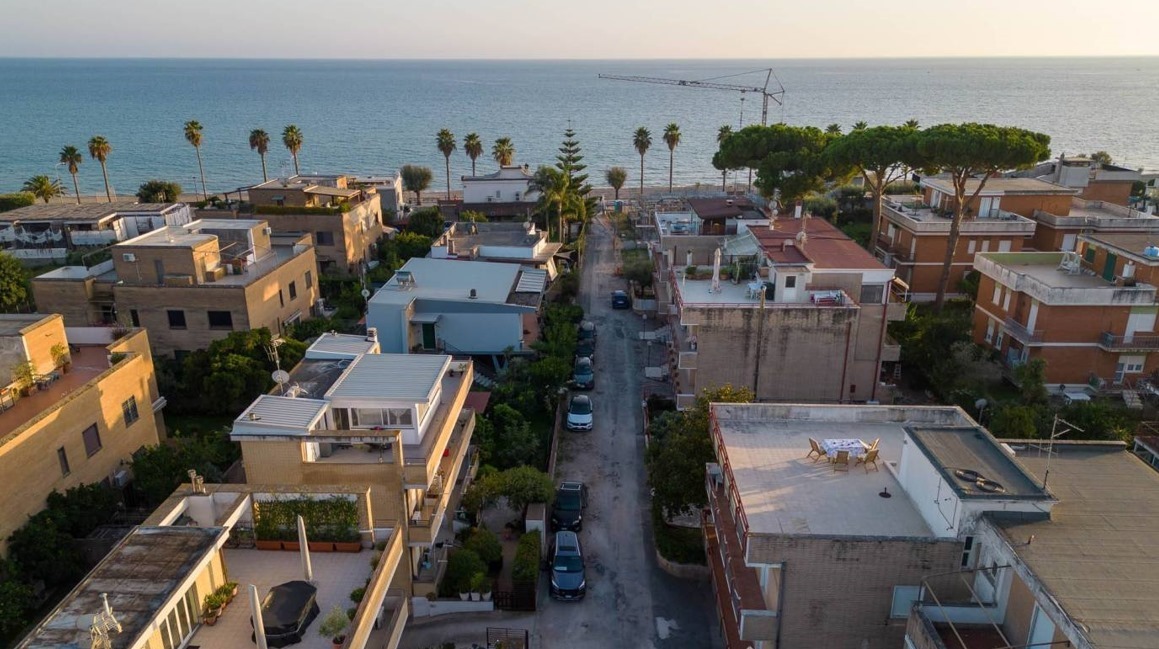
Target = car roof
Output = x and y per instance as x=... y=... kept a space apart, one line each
x=583 y=360
x=575 y=486
x=618 y=292
x=581 y=398
x=567 y=542
x=588 y=325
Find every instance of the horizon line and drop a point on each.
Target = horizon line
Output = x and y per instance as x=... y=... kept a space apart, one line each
x=5 y=57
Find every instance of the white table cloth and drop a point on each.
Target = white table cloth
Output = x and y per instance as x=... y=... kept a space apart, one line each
x=855 y=447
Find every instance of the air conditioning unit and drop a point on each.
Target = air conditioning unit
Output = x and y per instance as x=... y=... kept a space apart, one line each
x=128 y=256
x=267 y=230
x=121 y=478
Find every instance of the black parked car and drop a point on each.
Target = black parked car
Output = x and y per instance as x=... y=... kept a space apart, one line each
x=567 y=567
x=567 y=512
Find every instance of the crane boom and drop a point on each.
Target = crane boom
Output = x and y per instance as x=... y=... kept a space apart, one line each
x=763 y=91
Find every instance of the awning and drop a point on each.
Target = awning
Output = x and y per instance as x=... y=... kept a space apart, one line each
x=426 y=318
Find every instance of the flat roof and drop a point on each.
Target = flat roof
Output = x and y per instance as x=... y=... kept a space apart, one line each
x=493 y=234
x=139 y=575
x=974 y=449
x=1095 y=555
x=330 y=343
x=170 y=236
x=82 y=212
x=451 y=279
x=13 y=324
x=1043 y=267
x=783 y=493
x=1131 y=243
x=313 y=377
x=224 y=224
x=271 y=412
x=825 y=245
x=996 y=186
x=409 y=377
x=725 y=208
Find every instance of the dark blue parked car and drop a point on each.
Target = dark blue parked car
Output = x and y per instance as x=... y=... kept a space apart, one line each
x=620 y=300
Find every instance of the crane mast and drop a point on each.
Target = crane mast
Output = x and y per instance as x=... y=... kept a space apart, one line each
x=776 y=95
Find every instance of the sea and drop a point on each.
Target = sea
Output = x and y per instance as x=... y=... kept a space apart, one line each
x=371 y=117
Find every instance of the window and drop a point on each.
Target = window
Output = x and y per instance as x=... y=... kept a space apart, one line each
x=400 y=417
x=1132 y=364
x=989 y=330
x=1088 y=253
x=904 y=598
x=971 y=246
x=986 y=245
x=1006 y=301
x=293 y=290
x=309 y=280
x=790 y=281
x=135 y=317
x=323 y=238
x=62 y=456
x=997 y=294
x=394 y=417
x=176 y=319
x=220 y=319
x=872 y=293
x=129 y=408
x=92 y=440
x=889 y=230
x=967 y=551
x=365 y=417
x=1004 y=246
x=998 y=339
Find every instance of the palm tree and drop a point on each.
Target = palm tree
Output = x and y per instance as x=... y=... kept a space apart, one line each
x=446 y=144
x=193 y=136
x=911 y=123
x=503 y=151
x=722 y=134
x=72 y=157
x=642 y=140
x=99 y=150
x=616 y=177
x=260 y=142
x=833 y=129
x=473 y=147
x=43 y=187
x=292 y=138
x=860 y=126
x=555 y=190
x=671 y=138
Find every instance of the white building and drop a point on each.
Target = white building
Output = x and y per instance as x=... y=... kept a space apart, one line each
x=46 y=233
x=464 y=308
x=519 y=243
x=389 y=188
x=511 y=184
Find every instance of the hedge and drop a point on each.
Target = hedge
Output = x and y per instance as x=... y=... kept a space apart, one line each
x=16 y=200
x=289 y=209
x=525 y=568
x=334 y=519
x=461 y=569
x=484 y=543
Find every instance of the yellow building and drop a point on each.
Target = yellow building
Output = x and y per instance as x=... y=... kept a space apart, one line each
x=156 y=579
x=190 y=285
x=86 y=407
x=395 y=422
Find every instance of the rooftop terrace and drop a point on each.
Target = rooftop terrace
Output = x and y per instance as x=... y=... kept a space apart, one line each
x=915 y=214
x=1058 y=278
x=88 y=362
x=784 y=493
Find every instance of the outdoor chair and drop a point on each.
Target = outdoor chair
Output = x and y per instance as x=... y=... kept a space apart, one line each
x=842 y=460
x=869 y=458
x=873 y=446
x=815 y=448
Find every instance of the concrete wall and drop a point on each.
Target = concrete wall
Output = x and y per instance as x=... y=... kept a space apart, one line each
x=72 y=299
x=838 y=592
x=28 y=455
x=1117 y=192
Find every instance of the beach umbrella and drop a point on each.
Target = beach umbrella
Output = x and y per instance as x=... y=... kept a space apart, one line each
x=304 y=549
x=716 y=271
x=256 y=614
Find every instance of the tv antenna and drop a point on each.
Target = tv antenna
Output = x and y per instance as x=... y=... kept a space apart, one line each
x=1055 y=433
x=103 y=623
x=279 y=376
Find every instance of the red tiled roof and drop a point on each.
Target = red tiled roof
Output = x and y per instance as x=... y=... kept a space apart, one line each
x=825 y=245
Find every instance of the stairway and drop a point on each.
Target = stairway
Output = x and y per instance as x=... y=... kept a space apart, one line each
x=1131 y=398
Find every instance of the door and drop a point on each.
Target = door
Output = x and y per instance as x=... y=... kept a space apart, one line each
x=1068 y=242
x=428 y=335
x=1138 y=322
x=1109 y=267
x=1041 y=630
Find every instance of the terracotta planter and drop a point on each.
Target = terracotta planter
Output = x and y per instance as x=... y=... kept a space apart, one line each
x=320 y=546
x=291 y=545
x=268 y=545
x=350 y=546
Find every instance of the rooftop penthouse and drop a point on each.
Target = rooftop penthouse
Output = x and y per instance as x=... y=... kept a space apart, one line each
x=915 y=214
x=1059 y=278
x=509 y=242
x=1099 y=215
x=46 y=232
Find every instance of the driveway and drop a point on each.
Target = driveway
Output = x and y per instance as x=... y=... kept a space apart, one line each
x=630 y=602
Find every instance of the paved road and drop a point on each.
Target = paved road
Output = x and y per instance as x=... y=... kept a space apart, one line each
x=630 y=601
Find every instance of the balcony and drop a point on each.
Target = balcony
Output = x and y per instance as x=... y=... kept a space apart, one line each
x=1019 y=332
x=738 y=591
x=957 y=611
x=1134 y=342
x=891 y=350
x=427 y=520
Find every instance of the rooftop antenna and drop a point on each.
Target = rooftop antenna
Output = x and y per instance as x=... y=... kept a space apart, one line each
x=280 y=377
x=1055 y=433
x=103 y=622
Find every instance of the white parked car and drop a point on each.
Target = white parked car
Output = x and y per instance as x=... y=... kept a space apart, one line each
x=579 y=413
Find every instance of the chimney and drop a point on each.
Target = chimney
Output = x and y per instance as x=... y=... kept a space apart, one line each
x=371 y=334
x=474 y=294
x=797 y=210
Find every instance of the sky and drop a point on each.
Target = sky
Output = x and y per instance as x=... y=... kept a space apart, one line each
x=588 y=29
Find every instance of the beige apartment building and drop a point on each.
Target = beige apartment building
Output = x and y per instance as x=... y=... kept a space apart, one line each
x=190 y=285
x=344 y=221
x=799 y=312
x=149 y=591
x=394 y=423
x=91 y=403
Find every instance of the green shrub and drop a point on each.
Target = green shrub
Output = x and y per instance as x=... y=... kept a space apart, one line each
x=357 y=594
x=16 y=603
x=461 y=570
x=278 y=210
x=677 y=544
x=332 y=519
x=525 y=568
x=484 y=543
x=14 y=201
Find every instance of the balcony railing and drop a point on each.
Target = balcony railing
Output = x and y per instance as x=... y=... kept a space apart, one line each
x=1019 y=332
x=1146 y=342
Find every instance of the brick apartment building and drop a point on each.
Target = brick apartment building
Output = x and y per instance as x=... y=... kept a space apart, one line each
x=393 y=423
x=1095 y=181
x=189 y=285
x=804 y=556
x=1090 y=315
x=800 y=314
x=1061 y=230
x=914 y=230
x=344 y=220
x=90 y=407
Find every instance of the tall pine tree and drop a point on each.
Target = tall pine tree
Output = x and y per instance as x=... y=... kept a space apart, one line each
x=570 y=162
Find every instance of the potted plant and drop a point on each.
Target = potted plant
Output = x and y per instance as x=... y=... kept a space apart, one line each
x=477 y=581
x=60 y=357
x=228 y=591
x=23 y=375
x=334 y=626
x=213 y=605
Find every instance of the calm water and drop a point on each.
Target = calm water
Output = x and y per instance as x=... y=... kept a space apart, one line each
x=373 y=116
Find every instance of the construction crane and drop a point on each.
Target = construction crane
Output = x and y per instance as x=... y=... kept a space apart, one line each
x=714 y=84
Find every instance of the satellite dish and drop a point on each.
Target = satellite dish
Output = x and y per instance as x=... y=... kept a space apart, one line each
x=365 y=293
x=281 y=377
